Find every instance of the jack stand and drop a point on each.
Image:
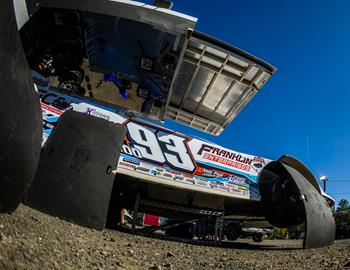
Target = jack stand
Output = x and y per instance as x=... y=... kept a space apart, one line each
x=135 y=213
x=219 y=229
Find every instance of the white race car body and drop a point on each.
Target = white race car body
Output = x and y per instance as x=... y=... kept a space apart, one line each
x=155 y=154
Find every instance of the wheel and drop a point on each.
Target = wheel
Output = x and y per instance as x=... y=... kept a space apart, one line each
x=20 y=115
x=232 y=235
x=258 y=237
x=233 y=230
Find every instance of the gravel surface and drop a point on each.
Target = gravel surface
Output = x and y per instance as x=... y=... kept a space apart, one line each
x=32 y=240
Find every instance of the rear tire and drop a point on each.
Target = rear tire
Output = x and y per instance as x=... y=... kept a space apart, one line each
x=258 y=237
x=20 y=115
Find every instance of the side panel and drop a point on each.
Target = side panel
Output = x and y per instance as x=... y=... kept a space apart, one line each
x=175 y=159
x=74 y=177
x=156 y=154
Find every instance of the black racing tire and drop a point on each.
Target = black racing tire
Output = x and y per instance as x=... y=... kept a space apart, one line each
x=232 y=235
x=20 y=115
x=233 y=231
x=258 y=237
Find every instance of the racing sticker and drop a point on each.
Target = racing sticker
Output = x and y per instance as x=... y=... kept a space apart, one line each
x=50 y=117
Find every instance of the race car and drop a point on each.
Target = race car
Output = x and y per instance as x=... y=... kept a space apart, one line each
x=104 y=146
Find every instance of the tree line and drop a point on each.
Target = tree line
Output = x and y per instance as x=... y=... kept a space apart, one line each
x=342 y=212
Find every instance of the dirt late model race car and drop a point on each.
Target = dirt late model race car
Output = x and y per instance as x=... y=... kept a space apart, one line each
x=107 y=74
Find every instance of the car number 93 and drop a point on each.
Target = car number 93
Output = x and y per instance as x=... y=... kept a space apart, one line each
x=160 y=146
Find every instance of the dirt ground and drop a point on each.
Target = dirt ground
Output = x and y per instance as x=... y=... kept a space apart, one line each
x=32 y=240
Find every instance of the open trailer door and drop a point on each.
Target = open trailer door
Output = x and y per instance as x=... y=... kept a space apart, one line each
x=213 y=82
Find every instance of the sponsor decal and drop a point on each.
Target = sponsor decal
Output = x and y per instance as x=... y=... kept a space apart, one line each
x=51 y=109
x=224 y=188
x=219 y=186
x=258 y=162
x=224 y=154
x=179 y=177
x=132 y=161
x=237 y=179
x=142 y=169
x=226 y=161
x=202 y=183
x=127 y=165
x=212 y=185
x=199 y=178
x=235 y=188
x=190 y=180
x=168 y=175
x=54 y=100
x=155 y=173
x=94 y=112
x=209 y=173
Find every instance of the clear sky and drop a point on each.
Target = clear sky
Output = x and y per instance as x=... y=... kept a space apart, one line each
x=304 y=110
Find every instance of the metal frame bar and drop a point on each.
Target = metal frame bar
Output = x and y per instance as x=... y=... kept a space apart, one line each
x=256 y=76
x=180 y=208
x=216 y=75
x=225 y=95
x=120 y=8
x=163 y=227
x=233 y=50
x=219 y=223
x=178 y=113
x=135 y=213
x=194 y=75
x=232 y=113
x=179 y=62
x=212 y=68
x=210 y=85
x=242 y=97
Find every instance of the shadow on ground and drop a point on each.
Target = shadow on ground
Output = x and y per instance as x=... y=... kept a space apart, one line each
x=244 y=244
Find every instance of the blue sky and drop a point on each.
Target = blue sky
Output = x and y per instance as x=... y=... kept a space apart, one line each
x=304 y=109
